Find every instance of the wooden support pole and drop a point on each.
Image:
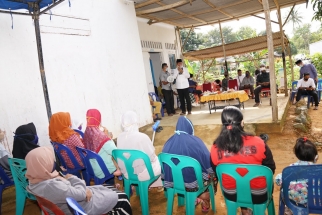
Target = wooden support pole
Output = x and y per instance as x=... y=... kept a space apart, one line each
x=283 y=49
x=180 y=42
x=291 y=61
x=185 y=40
x=270 y=47
x=223 y=47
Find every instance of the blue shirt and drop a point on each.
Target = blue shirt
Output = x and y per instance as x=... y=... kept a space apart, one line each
x=192 y=83
x=308 y=68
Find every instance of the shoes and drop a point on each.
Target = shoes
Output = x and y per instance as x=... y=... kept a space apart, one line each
x=170 y=114
x=315 y=108
x=256 y=105
x=175 y=113
x=189 y=112
x=182 y=113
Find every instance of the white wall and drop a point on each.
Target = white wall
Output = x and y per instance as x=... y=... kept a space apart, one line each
x=316 y=47
x=92 y=57
x=160 y=32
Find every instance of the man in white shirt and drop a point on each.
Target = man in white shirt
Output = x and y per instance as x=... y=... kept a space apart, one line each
x=240 y=77
x=306 y=86
x=182 y=75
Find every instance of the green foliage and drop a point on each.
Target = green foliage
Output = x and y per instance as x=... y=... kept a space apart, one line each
x=192 y=67
x=246 y=32
x=316 y=59
x=317 y=7
x=194 y=40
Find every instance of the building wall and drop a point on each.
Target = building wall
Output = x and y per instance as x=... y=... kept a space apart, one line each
x=316 y=47
x=93 y=59
x=161 y=33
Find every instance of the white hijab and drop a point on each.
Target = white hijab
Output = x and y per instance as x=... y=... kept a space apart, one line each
x=130 y=121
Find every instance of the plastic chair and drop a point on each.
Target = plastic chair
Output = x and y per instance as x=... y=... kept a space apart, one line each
x=206 y=87
x=87 y=156
x=79 y=132
x=232 y=84
x=309 y=98
x=73 y=204
x=244 y=198
x=178 y=182
x=18 y=170
x=7 y=182
x=46 y=204
x=156 y=98
x=313 y=174
x=142 y=187
x=293 y=90
x=59 y=148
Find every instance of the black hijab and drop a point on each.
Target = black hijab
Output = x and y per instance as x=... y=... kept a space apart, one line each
x=23 y=144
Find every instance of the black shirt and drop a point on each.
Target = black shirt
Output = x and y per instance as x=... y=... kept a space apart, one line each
x=264 y=77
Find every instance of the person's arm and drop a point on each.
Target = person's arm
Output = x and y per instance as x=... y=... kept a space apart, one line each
x=163 y=80
x=312 y=84
x=251 y=80
x=186 y=73
x=269 y=161
x=315 y=74
x=301 y=73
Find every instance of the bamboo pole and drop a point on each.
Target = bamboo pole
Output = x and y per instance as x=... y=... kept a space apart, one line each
x=270 y=47
x=283 y=49
x=180 y=42
x=223 y=47
x=291 y=61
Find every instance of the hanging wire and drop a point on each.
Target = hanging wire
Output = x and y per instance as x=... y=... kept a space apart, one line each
x=11 y=19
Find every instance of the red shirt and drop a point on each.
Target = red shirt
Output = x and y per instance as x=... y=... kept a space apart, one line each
x=252 y=152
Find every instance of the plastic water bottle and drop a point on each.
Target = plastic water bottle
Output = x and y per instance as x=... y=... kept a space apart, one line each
x=220 y=89
x=235 y=88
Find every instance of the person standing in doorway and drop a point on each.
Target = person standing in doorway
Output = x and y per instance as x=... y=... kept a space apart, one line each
x=181 y=75
x=307 y=68
x=167 y=90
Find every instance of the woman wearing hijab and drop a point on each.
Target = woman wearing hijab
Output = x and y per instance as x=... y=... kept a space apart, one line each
x=234 y=145
x=99 y=142
x=60 y=132
x=25 y=140
x=44 y=181
x=131 y=138
x=183 y=142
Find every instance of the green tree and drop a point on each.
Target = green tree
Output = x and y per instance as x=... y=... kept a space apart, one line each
x=193 y=41
x=246 y=32
x=317 y=8
x=316 y=60
x=295 y=18
x=213 y=37
x=302 y=37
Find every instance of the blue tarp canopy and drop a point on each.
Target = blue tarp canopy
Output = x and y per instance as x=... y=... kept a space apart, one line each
x=23 y=4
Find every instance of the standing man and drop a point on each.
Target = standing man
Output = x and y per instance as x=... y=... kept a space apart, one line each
x=306 y=86
x=240 y=77
x=263 y=81
x=307 y=68
x=181 y=75
x=248 y=83
x=167 y=90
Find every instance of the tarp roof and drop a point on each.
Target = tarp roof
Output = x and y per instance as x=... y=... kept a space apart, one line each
x=236 y=48
x=24 y=4
x=203 y=12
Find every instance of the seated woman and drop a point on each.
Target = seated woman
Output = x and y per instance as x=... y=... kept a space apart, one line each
x=60 y=132
x=234 y=145
x=44 y=181
x=131 y=138
x=4 y=163
x=25 y=140
x=183 y=142
x=99 y=142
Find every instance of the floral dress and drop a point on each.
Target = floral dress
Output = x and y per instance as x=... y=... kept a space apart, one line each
x=297 y=189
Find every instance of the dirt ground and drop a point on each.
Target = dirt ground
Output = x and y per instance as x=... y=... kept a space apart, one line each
x=281 y=145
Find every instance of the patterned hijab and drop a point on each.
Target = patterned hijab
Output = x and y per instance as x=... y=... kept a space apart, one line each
x=59 y=127
x=94 y=138
x=41 y=165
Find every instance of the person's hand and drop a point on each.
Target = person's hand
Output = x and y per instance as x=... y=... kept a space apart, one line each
x=67 y=176
x=105 y=130
x=89 y=195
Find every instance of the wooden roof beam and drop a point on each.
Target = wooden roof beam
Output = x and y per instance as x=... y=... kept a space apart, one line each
x=264 y=18
x=162 y=8
x=143 y=4
x=220 y=10
x=288 y=16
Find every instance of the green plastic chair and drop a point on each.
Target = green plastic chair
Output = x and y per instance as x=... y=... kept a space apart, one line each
x=142 y=187
x=244 y=197
x=178 y=182
x=18 y=170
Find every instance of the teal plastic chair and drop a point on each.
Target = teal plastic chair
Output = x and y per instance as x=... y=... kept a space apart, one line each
x=178 y=182
x=142 y=187
x=18 y=170
x=244 y=198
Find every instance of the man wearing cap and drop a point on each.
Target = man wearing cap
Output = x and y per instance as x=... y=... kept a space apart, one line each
x=181 y=75
x=307 y=68
x=167 y=90
x=306 y=86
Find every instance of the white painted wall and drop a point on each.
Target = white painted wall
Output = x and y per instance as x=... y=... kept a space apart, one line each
x=159 y=32
x=92 y=57
x=316 y=47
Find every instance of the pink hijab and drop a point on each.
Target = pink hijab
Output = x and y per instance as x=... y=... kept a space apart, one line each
x=94 y=138
x=41 y=164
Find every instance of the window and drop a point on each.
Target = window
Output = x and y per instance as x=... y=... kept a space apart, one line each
x=172 y=59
